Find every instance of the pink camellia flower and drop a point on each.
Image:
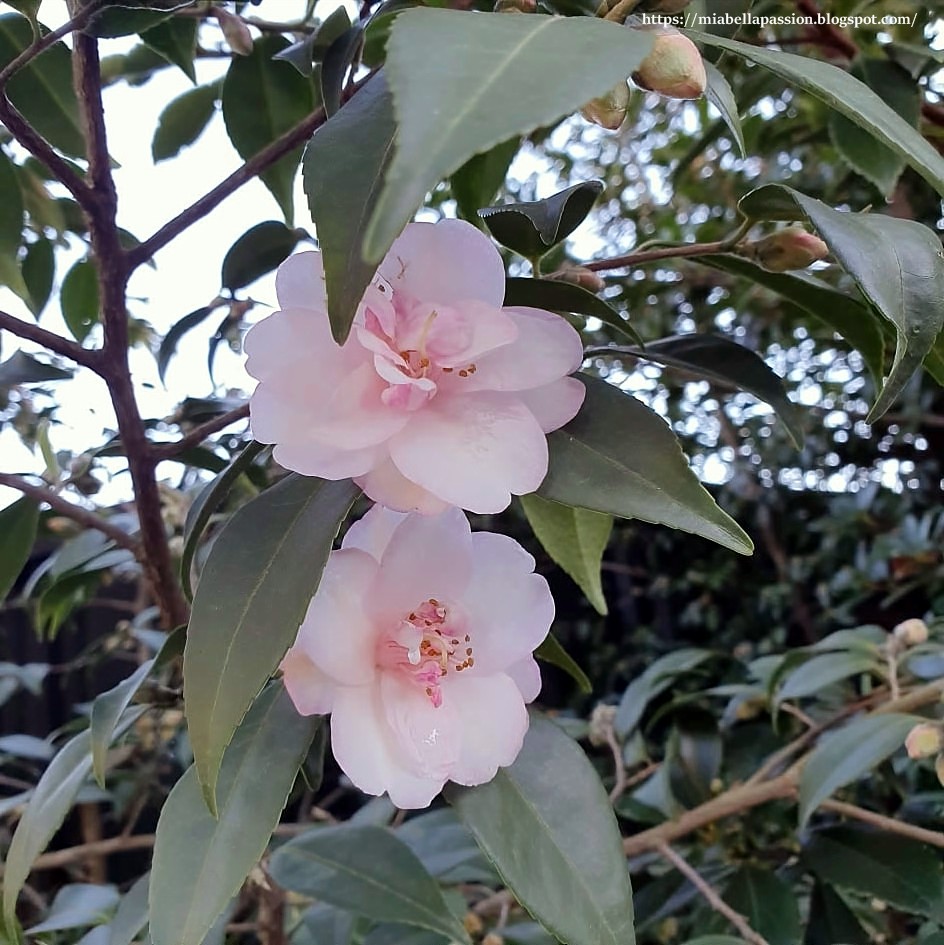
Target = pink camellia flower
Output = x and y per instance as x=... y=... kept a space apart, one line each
x=419 y=643
x=439 y=396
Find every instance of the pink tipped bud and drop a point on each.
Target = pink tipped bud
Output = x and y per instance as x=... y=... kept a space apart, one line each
x=789 y=248
x=580 y=275
x=924 y=740
x=608 y=111
x=516 y=6
x=912 y=632
x=235 y=31
x=674 y=68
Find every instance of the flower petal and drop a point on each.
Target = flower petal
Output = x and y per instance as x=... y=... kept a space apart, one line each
x=336 y=633
x=446 y=262
x=388 y=486
x=527 y=677
x=288 y=338
x=555 y=404
x=312 y=458
x=373 y=531
x=300 y=281
x=311 y=691
x=473 y=450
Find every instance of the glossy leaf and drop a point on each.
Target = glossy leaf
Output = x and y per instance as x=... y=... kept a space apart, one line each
x=175 y=39
x=343 y=168
x=767 y=903
x=79 y=300
x=831 y=920
x=475 y=184
x=200 y=861
x=719 y=93
x=568 y=872
x=125 y=17
x=183 y=120
x=595 y=463
x=897 y=264
x=898 y=870
x=575 y=539
x=338 y=59
x=258 y=251
x=531 y=228
x=432 y=76
x=846 y=95
x=180 y=328
x=39 y=269
x=11 y=209
x=844 y=756
x=261 y=100
x=18 y=524
x=551 y=651
x=42 y=90
x=253 y=594
x=368 y=871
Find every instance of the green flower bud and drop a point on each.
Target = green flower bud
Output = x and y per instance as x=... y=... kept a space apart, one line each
x=674 y=68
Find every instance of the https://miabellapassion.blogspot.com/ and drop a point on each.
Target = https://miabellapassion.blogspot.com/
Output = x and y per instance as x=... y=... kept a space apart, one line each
x=691 y=19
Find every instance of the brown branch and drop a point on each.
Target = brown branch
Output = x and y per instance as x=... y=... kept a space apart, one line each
x=616 y=748
x=932 y=837
x=197 y=435
x=710 y=896
x=59 y=858
x=71 y=511
x=55 y=343
x=653 y=255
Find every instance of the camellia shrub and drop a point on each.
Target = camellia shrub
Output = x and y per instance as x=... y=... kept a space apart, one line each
x=335 y=708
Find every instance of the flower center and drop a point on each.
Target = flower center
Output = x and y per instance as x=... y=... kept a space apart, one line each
x=427 y=645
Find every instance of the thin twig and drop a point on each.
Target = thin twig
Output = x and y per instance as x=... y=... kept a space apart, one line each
x=710 y=896
x=55 y=343
x=198 y=434
x=619 y=765
x=932 y=837
x=60 y=858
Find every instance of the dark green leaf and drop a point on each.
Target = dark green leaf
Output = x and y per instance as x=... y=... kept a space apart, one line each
x=200 y=862
x=337 y=61
x=595 y=463
x=840 y=91
x=180 y=328
x=767 y=903
x=39 y=269
x=532 y=228
x=368 y=871
x=79 y=300
x=258 y=251
x=29 y=8
x=719 y=93
x=300 y=55
x=575 y=539
x=694 y=756
x=176 y=40
x=567 y=871
x=817 y=674
x=846 y=755
x=831 y=920
x=566 y=297
x=475 y=184
x=857 y=146
x=261 y=100
x=344 y=166
x=23 y=368
x=257 y=584
x=432 y=76
x=125 y=17
x=42 y=90
x=551 y=651
x=182 y=121
x=901 y=871
x=897 y=264
x=11 y=209
x=18 y=524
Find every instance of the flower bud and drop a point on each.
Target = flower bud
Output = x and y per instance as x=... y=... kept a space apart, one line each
x=493 y=939
x=674 y=68
x=911 y=632
x=608 y=111
x=924 y=740
x=579 y=275
x=516 y=6
x=789 y=248
x=601 y=724
x=235 y=31
x=472 y=923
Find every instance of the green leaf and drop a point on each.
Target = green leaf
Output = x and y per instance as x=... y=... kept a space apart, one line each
x=78 y=905
x=258 y=251
x=531 y=228
x=11 y=208
x=23 y=368
x=551 y=651
x=568 y=871
x=343 y=169
x=52 y=799
x=18 y=524
x=261 y=100
x=694 y=756
x=897 y=264
x=719 y=359
x=183 y=120
x=653 y=682
x=823 y=671
x=368 y=871
x=124 y=17
x=901 y=871
x=176 y=40
x=575 y=539
x=719 y=93
x=79 y=300
x=846 y=95
x=595 y=463
x=845 y=315
x=39 y=269
x=132 y=913
x=566 y=297
x=42 y=90
x=180 y=328
x=831 y=920
x=856 y=145
x=337 y=61
x=200 y=862
x=107 y=709
x=481 y=177
x=849 y=753
x=455 y=100
x=300 y=55
x=258 y=581
x=768 y=904
x=29 y=8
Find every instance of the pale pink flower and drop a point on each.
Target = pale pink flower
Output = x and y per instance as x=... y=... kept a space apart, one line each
x=419 y=643
x=439 y=396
